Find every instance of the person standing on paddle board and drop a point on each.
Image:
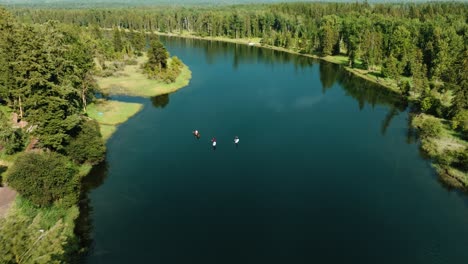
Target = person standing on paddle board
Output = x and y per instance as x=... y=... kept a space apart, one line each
x=213 y=142
x=236 y=141
x=196 y=134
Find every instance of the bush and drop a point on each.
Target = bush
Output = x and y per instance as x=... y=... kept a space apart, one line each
x=44 y=178
x=10 y=138
x=460 y=122
x=445 y=158
x=461 y=159
x=426 y=103
x=405 y=88
x=88 y=145
x=428 y=126
x=15 y=142
x=454 y=158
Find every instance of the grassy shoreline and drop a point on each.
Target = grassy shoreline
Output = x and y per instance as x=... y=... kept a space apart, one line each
x=109 y=114
x=440 y=146
x=132 y=82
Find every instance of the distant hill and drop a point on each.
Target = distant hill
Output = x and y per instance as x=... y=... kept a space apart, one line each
x=64 y=3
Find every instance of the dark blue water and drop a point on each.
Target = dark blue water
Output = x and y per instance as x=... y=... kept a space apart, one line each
x=325 y=172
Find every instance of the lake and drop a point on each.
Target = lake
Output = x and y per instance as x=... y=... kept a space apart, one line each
x=326 y=171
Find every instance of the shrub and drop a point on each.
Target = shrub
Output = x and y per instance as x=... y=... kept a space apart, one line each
x=10 y=138
x=426 y=103
x=15 y=142
x=44 y=178
x=454 y=158
x=88 y=145
x=445 y=158
x=405 y=88
x=460 y=122
x=428 y=126
x=461 y=159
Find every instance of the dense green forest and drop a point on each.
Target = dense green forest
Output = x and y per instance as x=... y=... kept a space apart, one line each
x=427 y=42
x=422 y=48
x=48 y=143
x=45 y=85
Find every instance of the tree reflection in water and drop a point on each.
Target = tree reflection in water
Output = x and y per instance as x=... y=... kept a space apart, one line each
x=84 y=224
x=160 y=101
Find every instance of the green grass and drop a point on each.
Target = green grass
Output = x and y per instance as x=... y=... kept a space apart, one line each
x=131 y=81
x=7 y=160
x=337 y=59
x=109 y=114
x=452 y=176
x=107 y=131
x=84 y=170
x=192 y=35
x=5 y=110
x=49 y=214
x=446 y=140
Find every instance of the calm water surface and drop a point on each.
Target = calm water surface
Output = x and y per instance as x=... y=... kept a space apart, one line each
x=325 y=172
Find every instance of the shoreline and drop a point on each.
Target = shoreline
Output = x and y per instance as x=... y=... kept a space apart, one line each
x=384 y=82
x=130 y=81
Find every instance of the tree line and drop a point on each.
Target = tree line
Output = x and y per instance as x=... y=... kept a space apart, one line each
x=46 y=84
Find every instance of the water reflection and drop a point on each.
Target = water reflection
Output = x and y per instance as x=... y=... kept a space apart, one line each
x=84 y=225
x=365 y=92
x=328 y=74
x=241 y=53
x=388 y=119
x=160 y=101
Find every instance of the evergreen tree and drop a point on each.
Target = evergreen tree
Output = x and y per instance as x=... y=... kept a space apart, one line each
x=157 y=56
x=420 y=82
x=329 y=35
x=117 y=37
x=390 y=68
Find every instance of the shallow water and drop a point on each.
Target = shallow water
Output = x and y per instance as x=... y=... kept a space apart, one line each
x=325 y=171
